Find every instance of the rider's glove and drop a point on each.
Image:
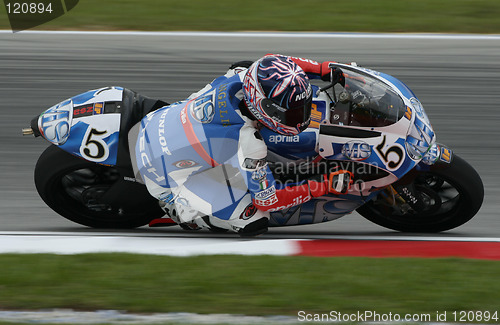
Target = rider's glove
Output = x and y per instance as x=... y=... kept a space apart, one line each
x=340 y=181
x=335 y=76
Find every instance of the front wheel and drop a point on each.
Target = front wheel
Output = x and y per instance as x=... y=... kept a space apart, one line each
x=452 y=195
x=90 y=194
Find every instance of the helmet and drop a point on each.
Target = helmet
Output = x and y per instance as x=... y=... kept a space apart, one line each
x=278 y=94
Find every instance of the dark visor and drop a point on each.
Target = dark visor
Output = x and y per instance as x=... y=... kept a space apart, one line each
x=290 y=117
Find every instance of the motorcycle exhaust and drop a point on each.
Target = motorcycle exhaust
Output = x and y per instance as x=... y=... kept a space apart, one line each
x=27 y=131
x=33 y=130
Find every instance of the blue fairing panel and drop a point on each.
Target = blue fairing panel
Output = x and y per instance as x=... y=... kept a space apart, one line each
x=86 y=125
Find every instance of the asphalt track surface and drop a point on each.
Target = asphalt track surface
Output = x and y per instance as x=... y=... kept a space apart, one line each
x=456 y=78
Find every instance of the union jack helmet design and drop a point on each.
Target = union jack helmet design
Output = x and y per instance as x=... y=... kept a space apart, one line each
x=278 y=94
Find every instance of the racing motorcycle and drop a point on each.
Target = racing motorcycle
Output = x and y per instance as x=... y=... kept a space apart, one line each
x=374 y=126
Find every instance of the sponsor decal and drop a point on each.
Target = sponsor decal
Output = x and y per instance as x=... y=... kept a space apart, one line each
x=259 y=174
x=306 y=123
x=98 y=108
x=85 y=110
x=249 y=212
x=284 y=138
x=417 y=105
x=408 y=113
x=419 y=109
x=55 y=123
x=296 y=201
x=316 y=116
x=419 y=138
x=432 y=155
x=254 y=111
x=268 y=202
x=356 y=150
x=185 y=163
x=265 y=194
x=446 y=155
x=149 y=169
x=203 y=110
x=305 y=60
x=301 y=96
x=222 y=105
x=263 y=184
x=369 y=71
x=161 y=134
x=167 y=197
x=251 y=163
x=184 y=116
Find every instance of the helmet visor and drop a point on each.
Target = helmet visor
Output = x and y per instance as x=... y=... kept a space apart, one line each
x=298 y=117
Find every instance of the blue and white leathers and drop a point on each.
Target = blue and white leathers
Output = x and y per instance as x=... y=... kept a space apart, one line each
x=199 y=155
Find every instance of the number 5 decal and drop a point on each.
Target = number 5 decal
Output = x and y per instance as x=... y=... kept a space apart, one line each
x=394 y=161
x=94 y=148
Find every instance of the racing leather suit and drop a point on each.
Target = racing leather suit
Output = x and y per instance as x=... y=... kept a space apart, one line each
x=205 y=159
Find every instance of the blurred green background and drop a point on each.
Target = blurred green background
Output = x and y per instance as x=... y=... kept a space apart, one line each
x=443 y=16
x=249 y=285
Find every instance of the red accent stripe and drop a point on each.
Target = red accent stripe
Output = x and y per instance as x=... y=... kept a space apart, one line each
x=193 y=139
x=162 y=222
x=425 y=249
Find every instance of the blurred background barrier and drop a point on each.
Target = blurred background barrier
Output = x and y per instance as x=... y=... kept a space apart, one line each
x=432 y=16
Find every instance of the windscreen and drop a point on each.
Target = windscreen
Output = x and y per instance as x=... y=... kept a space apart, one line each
x=366 y=101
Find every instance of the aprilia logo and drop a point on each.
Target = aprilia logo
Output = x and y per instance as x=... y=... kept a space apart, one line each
x=283 y=138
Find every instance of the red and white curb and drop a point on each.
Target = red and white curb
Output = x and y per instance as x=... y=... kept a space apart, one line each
x=359 y=246
x=365 y=246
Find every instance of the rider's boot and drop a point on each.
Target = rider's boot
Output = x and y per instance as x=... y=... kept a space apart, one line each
x=255 y=228
x=246 y=220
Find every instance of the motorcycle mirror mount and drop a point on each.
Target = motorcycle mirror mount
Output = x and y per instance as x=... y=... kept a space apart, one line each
x=324 y=89
x=332 y=86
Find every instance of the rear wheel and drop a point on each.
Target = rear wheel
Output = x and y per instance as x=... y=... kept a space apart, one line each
x=91 y=194
x=451 y=196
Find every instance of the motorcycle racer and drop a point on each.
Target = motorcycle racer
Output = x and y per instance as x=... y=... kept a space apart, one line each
x=206 y=161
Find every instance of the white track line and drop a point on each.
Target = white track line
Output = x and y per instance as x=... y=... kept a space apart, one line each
x=78 y=243
x=68 y=245
x=495 y=37
x=272 y=236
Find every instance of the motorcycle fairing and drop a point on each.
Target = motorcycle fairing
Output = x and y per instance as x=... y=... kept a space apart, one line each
x=86 y=125
x=396 y=145
x=383 y=148
x=322 y=209
x=420 y=136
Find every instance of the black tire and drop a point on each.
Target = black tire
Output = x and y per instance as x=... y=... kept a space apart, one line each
x=90 y=194
x=455 y=193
